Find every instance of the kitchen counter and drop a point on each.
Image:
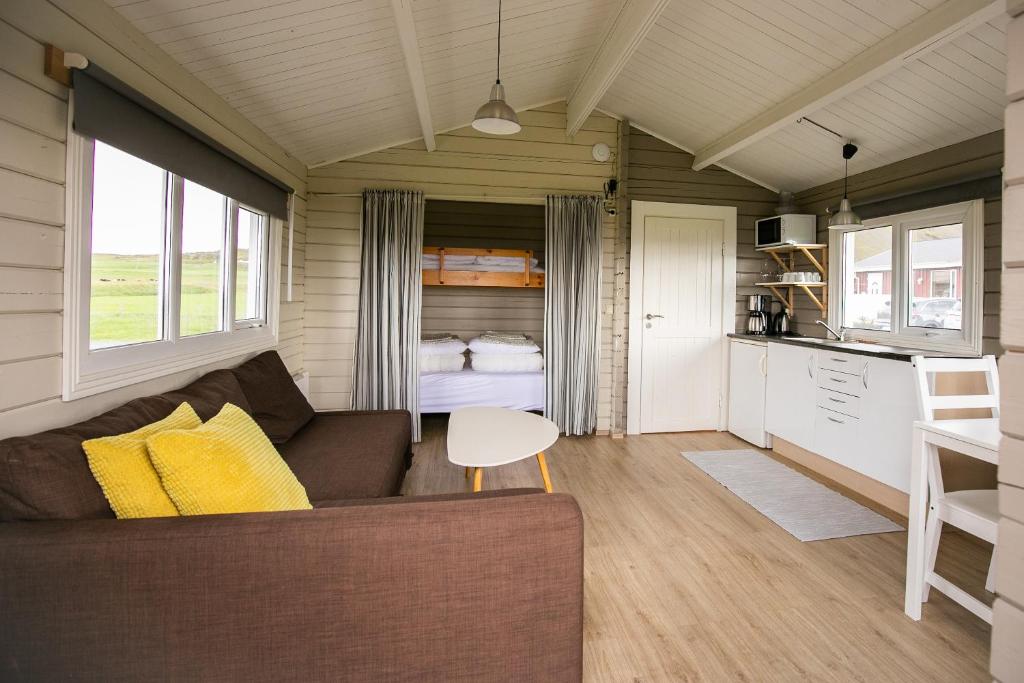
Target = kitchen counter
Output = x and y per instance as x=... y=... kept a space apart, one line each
x=859 y=348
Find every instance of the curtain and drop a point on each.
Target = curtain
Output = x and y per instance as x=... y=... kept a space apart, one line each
x=572 y=255
x=390 y=288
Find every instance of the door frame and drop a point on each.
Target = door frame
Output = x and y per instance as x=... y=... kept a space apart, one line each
x=639 y=211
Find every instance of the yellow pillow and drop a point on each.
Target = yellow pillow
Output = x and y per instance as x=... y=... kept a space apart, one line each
x=226 y=465
x=121 y=466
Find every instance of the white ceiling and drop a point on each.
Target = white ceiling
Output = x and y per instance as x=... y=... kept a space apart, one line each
x=327 y=78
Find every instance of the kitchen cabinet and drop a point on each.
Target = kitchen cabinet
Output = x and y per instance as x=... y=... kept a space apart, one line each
x=855 y=410
x=791 y=393
x=888 y=409
x=748 y=379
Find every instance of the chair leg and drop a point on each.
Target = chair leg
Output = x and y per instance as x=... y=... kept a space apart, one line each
x=990 y=582
x=932 y=532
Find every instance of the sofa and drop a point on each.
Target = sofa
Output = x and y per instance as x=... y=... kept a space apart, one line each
x=366 y=586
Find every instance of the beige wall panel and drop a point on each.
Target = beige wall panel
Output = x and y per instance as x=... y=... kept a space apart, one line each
x=31 y=244
x=30 y=153
x=29 y=335
x=1007 y=635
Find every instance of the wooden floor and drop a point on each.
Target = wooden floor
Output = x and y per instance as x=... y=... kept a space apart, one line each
x=684 y=581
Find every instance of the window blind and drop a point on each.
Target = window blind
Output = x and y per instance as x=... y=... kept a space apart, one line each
x=108 y=110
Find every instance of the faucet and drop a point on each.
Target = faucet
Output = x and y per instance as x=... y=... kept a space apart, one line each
x=840 y=335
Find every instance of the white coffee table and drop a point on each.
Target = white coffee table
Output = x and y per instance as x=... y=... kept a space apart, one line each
x=488 y=437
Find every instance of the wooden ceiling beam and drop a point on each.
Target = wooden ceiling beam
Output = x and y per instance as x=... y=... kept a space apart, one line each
x=937 y=27
x=402 y=10
x=631 y=25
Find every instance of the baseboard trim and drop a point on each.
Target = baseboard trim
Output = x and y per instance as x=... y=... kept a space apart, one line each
x=875 y=491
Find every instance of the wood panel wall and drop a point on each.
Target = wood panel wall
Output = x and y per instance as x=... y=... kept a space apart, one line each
x=945 y=166
x=467 y=165
x=33 y=132
x=468 y=311
x=1008 y=613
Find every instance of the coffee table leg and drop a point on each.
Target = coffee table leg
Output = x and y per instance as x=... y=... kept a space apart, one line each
x=467 y=472
x=544 y=471
x=478 y=479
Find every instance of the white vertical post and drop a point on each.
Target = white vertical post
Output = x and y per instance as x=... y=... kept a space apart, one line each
x=291 y=241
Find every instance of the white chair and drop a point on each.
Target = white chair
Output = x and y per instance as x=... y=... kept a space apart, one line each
x=976 y=512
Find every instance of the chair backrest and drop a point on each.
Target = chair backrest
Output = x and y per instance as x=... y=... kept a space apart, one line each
x=928 y=402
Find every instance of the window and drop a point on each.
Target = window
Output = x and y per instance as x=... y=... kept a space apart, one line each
x=913 y=279
x=162 y=274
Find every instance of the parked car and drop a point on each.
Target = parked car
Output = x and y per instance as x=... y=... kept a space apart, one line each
x=883 y=319
x=931 y=313
x=953 y=320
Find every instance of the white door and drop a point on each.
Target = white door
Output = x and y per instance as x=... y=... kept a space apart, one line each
x=678 y=313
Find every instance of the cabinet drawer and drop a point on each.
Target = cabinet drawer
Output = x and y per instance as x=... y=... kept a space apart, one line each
x=835 y=436
x=847 y=363
x=839 y=402
x=840 y=381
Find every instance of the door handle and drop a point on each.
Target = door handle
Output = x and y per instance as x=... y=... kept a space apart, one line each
x=652 y=316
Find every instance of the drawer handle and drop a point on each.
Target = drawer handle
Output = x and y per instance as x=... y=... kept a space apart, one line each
x=836 y=421
x=836 y=400
x=839 y=360
x=841 y=381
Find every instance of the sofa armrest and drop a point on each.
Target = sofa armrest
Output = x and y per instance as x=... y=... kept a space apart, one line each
x=468 y=589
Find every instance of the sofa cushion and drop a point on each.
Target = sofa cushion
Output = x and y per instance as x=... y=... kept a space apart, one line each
x=224 y=466
x=46 y=475
x=122 y=466
x=278 y=406
x=208 y=394
x=351 y=454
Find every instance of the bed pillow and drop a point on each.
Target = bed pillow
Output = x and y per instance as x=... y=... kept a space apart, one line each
x=483 y=346
x=445 y=348
x=453 y=363
x=509 y=362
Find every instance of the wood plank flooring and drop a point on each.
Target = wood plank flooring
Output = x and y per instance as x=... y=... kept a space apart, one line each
x=686 y=582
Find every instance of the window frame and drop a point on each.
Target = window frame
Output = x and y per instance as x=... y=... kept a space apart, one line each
x=968 y=339
x=92 y=371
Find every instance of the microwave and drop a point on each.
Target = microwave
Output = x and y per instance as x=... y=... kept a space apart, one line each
x=789 y=228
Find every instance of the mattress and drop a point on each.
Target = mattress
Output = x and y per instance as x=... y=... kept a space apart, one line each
x=444 y=392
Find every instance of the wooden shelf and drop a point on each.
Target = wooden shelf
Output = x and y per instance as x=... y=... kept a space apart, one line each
x=816 y=256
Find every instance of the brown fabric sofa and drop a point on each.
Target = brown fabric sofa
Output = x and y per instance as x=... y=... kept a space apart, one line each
x=364 y=587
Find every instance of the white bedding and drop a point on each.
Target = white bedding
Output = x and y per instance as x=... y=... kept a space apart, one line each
x=506 y=362
x=480 y=264
x=445 y=392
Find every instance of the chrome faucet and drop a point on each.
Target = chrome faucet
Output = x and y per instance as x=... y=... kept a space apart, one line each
x=840 y=335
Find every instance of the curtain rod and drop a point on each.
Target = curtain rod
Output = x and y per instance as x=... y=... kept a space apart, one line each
x=449 y=197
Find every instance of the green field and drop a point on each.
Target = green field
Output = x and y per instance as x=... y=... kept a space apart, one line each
x=125 y=306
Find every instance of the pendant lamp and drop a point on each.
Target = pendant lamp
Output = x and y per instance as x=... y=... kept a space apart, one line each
x=845 y=217
x=495 y=116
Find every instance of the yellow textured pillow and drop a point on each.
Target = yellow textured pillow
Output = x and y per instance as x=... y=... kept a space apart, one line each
x=226 y=465
x=121 y=466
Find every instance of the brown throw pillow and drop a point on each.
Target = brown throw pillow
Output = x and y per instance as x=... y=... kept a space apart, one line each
x=278 y=406
x=208 y=394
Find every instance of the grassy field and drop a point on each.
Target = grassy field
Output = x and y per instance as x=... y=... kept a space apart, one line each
x=125 y=307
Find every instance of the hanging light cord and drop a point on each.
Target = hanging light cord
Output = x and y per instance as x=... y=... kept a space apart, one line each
x=498 y=80
x=846 y=176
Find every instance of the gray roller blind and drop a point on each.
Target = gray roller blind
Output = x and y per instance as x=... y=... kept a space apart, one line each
x=108 y=110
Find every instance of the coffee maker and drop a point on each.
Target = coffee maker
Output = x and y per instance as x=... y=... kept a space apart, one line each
x=758 y=321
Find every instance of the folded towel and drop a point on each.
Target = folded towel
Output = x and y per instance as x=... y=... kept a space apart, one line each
x=522 y=362
x=443 y=348
x=448 y=363
x=436 y=337
x=503 y=345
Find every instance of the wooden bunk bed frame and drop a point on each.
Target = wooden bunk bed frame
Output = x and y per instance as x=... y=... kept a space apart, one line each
x=445 y=277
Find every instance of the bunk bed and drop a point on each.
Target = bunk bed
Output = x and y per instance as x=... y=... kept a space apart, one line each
x=443 y=392
x=467 y=267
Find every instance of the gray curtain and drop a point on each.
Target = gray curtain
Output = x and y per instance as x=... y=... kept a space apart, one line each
x=390 y=287
x=572 y=254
